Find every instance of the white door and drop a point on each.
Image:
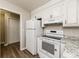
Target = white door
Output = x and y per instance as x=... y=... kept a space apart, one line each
x=13 y=31
x=31 y=41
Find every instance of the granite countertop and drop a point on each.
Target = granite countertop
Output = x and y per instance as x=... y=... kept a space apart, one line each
x=71 y=49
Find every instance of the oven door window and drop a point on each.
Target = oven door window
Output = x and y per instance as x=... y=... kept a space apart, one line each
x=48 y=47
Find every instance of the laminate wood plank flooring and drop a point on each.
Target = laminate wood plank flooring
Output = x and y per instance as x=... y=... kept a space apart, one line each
x=0 y=50
x=13 y=51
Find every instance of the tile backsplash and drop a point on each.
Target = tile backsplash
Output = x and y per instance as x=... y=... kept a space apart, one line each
x=71 y=31
x=67 y=31
x=54 y=27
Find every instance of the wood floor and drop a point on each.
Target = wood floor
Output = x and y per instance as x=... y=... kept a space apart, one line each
x=13 y=51
x=0 y=50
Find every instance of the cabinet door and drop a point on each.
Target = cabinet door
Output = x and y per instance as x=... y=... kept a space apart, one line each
x=78 y=10
x=57 y=11
x=31 y=41
x=71 y=12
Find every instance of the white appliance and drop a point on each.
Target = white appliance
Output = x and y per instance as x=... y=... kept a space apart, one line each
x=53 y=21
x=33 y=31
x=49 y=46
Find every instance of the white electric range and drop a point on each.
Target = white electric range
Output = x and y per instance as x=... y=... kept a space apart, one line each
x=49 y=46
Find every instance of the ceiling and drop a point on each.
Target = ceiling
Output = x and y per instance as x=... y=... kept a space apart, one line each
x=29 y=4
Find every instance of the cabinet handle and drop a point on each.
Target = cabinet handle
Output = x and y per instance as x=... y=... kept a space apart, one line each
x=55 y=49
x=65 y=22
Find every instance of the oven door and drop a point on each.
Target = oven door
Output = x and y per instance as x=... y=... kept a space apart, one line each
x=49 y=47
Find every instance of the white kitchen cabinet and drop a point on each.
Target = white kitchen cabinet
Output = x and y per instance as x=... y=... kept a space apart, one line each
x=71 y=13
x=54 y=12
x=57 y=10
x=78 y=10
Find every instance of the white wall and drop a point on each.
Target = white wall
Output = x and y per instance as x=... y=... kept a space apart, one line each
x=24 y=15
x=2 y=27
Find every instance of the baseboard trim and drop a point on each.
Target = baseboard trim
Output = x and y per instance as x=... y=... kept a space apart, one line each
x=13 y=42
x=6 y=44
x=2 y=42
x=22 y=49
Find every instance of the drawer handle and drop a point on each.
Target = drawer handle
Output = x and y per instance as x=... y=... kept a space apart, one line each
x=55 y=49
x=65 y=21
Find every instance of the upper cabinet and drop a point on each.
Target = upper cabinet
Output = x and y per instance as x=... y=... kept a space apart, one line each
x=65 y=10
x=78 y=9
x=53 y=14
x=71 y=12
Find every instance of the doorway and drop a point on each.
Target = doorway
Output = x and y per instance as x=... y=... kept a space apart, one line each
x=9 y=28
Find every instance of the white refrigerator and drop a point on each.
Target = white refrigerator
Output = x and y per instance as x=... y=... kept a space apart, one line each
x=33 y=31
